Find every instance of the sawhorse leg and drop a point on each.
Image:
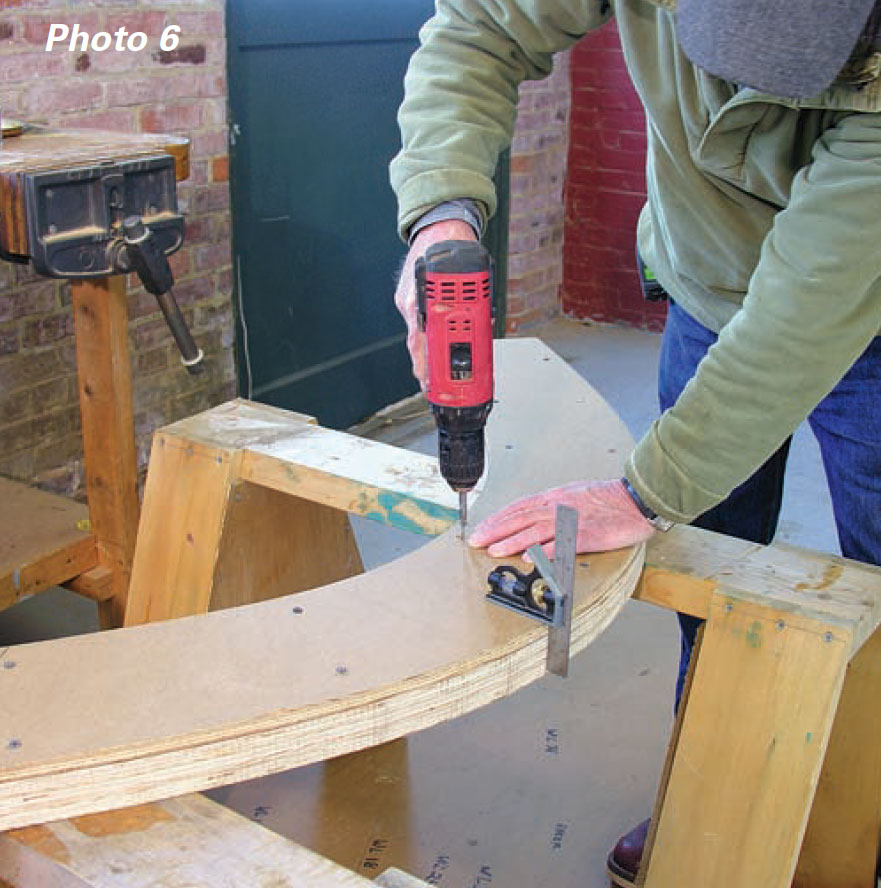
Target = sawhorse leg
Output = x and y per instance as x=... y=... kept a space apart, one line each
x=752 y=740
x=210 y=539
x=841 y=843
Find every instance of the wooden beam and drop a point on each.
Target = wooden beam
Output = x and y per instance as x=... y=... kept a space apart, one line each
x=96 y=584
x=164 y=709
x=688 y=567
x=289 y=453
x=104 y=377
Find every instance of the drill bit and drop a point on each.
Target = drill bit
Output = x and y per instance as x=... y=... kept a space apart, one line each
x=463 y=510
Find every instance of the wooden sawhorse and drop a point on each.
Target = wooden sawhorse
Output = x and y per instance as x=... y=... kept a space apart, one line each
x=773 y=775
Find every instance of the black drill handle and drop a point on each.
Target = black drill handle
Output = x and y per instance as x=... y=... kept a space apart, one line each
x=151 y=265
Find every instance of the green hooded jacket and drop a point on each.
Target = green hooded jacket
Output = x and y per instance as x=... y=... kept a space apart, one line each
x=763 y=218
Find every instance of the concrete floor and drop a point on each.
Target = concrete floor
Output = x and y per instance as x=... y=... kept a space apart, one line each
x=481 y=802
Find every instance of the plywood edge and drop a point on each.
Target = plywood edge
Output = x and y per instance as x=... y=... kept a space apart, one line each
x=116 y=777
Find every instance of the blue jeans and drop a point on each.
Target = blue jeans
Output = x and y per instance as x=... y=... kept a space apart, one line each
x=847 y=425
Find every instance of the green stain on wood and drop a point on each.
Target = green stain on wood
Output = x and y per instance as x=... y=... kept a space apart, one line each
x=754 y=635
x=808 y=737
x=416 y=516
x=407 y=513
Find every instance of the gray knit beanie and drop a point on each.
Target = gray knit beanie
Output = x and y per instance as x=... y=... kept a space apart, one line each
x=790 y=48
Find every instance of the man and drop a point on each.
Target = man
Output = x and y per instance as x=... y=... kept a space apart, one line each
x=763 y=223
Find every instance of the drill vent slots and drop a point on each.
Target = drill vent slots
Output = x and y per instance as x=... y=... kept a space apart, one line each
x=447 y=290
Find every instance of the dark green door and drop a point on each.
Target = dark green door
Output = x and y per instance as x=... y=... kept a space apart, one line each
x=314 y=90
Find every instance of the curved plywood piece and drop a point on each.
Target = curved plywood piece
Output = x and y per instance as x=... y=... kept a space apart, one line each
x=158 y=710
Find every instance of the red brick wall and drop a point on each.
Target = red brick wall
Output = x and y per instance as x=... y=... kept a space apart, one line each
x=179 y=91
x=538 y=163
x=605 y=188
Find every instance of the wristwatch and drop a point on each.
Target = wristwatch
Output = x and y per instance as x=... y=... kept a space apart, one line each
x=657 y=521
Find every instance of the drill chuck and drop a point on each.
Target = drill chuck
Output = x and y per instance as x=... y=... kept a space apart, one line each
x=460 y=444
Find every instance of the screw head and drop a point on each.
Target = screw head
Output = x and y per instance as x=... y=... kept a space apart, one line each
x=342 y=670
x=297 y=610
x=14 y=744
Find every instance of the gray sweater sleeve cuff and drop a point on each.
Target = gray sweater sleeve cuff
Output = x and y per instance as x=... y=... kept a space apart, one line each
x=463 y=208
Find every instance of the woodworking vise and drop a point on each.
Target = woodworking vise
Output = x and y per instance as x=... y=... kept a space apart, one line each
x=77 y=219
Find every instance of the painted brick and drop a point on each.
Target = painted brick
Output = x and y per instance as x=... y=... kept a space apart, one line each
x=45 y=98
x=220 y=169
x=151 y=361
x=188 y=54
x=124 y=91
x=210 y=143
x=175 y=117
x=40 y=64
x=35 y=28
x=150 y=22
x=47 y=330
x=193 y=24
x=605 y=189
x=213 y=256
x=16 y=407
x=181 y=262
x=211 y=198
x=122 y=120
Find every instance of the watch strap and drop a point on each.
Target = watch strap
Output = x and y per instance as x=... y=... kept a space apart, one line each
x=650 y=515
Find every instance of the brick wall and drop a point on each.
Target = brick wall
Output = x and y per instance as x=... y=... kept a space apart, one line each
x=605 y=188
x=538 y=163
x=183 y=91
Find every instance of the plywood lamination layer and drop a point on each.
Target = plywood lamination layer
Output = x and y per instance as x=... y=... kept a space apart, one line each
x=196 y=702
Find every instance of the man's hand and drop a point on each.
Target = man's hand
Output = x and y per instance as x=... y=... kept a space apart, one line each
x=405 y=295
x=607 y=519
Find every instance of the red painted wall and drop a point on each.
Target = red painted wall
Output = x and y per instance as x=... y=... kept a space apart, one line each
x=605 y=189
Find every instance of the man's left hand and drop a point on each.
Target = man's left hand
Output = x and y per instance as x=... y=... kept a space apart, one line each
x=607 y=519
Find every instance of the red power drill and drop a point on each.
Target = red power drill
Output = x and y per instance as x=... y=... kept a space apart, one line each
x=454 y=289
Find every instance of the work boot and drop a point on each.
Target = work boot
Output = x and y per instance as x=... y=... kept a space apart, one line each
x=623 y=862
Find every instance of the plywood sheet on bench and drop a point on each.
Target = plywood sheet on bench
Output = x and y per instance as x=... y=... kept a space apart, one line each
x=44 y=541
x=163 y=709
x=190 y=842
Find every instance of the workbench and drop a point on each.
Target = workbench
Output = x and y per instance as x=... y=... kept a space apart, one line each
x=47 y=540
